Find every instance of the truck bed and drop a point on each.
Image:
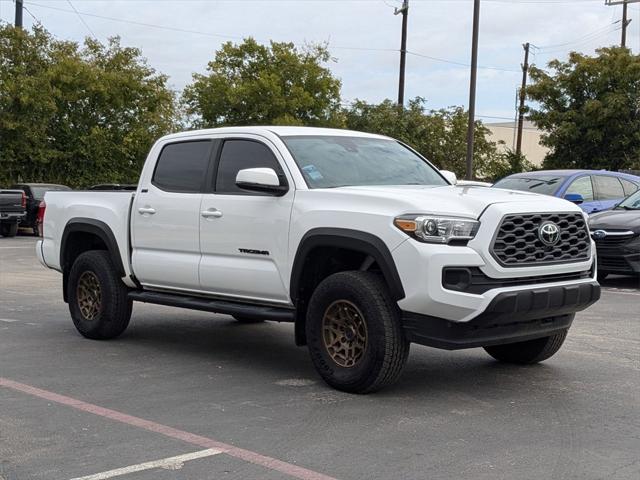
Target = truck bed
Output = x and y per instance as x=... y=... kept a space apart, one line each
x=109 y=207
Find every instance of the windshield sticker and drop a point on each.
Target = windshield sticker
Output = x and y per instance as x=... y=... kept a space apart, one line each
x=312 y=172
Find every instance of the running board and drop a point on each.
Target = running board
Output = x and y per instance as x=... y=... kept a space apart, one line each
x=280 y=314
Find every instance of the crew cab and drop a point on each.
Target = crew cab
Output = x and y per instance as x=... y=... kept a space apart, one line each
x=354 y=237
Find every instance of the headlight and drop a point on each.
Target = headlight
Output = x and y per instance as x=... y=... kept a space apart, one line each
x=435 y=229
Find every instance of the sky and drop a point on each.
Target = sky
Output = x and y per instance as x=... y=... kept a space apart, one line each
x=179 y=37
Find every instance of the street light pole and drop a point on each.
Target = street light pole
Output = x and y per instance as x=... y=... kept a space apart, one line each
x=472 y=88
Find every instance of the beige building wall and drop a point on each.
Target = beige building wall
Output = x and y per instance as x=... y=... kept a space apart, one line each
x=531 y=148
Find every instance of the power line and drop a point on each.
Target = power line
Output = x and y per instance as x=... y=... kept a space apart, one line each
x=462 y=64
x=81 y=19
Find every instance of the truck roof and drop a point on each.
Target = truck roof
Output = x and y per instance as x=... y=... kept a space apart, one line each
x=278 y=130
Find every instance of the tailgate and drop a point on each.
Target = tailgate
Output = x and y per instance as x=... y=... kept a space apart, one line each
x=11 y=201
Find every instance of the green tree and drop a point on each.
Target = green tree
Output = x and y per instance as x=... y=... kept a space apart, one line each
x=439 y=135
x=256 y=84
x=77 y=115
x=589 y=108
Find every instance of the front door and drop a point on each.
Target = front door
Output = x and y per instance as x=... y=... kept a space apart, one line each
x=244 y=235
x=166 y=218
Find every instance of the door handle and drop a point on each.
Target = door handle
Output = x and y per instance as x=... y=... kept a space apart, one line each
x=148 y=210
x=211 y=213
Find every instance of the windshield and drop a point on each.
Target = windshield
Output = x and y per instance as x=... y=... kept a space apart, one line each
x=631 y=203
x=336 y=161
x=547 y=185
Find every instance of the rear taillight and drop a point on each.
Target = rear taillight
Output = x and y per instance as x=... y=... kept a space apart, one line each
x=24 y=200
x=42 y=206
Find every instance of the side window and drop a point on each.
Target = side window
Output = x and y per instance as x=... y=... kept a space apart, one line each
x=582 y=186
x=237 y=155
x=608 y=188
x=629 y=187
x=182 y=166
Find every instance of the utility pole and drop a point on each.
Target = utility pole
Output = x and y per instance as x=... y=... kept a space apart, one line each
x=19 y=6
x=625 y=20
x=625 y=23
x=472 y=88
x=523 y=96
x=404 y=10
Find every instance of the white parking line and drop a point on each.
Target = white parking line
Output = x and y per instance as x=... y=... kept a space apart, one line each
x=621 y=292
x=8 y=320
x=173 y=463
x=30 y=247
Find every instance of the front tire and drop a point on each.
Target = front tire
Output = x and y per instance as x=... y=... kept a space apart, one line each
x=9 y=229
x=354 y=333
x=98 y=301
x=529 y=352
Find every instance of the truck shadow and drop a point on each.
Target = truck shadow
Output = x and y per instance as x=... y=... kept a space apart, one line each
x=268 y=349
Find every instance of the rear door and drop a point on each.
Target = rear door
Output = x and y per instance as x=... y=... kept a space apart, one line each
x=609 y=191
x=166 y=217
x=244 y=235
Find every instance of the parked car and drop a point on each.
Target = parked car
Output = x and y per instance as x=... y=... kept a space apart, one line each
x=13 y=205
x=617 y=236
x=593 y=190
x=35 y=194
x=355 y=238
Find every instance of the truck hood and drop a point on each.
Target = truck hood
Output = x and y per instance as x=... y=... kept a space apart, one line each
x=463 y=201
x=616 y=220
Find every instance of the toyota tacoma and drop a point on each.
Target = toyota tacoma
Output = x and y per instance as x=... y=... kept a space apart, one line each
x=355 y=238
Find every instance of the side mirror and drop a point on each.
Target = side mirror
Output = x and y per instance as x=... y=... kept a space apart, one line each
x=264 y=180
x=574 y=198
x=450 y=176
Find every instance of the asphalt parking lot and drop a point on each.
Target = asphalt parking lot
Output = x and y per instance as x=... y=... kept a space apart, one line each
x=193 y=396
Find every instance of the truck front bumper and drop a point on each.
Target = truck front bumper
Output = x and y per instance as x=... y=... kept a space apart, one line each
x=510 y=317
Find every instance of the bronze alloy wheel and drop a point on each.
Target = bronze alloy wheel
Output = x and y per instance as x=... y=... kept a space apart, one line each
x=89 y=295
x=344 y=332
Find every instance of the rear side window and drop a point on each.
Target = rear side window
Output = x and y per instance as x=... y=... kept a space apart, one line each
x=629 y=187
x=182 y=167
x=608 y=188
x=582 y=186
x=237 y=155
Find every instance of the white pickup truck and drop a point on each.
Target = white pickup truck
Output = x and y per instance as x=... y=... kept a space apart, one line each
x=355 y=238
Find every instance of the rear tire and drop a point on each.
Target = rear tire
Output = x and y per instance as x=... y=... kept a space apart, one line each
x=9 y=229
x=243 y=319
x=354 y=333
x=529 y=352
x=98 y=301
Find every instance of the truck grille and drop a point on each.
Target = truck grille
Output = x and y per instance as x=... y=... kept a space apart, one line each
x=518 y=242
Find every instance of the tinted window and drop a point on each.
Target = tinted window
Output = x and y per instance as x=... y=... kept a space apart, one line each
x=608 y=188
x=547 y=185
x=336 y=161
x=237 y=155
x=182 y=167
x=582 y=186
x=629 y=187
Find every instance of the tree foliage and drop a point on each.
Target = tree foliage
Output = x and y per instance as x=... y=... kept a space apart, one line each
x=439 y=135
x=76 y=115
x=253 y=84
x=590 y=110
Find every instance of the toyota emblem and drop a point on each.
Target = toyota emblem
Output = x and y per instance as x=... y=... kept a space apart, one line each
x=549 y=233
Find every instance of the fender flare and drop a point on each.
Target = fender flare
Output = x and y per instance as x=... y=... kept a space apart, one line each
x=100 y=230
x=352 y=240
